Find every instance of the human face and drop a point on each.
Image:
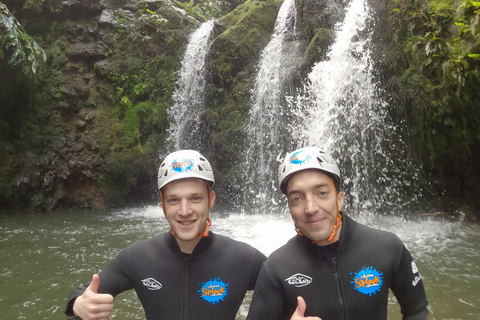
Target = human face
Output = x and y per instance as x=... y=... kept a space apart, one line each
x=313 y=204
x=186 y=209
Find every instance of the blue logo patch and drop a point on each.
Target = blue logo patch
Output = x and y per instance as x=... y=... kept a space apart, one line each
x=368 y=281
x=214 y=290
x=182 y=166
x=299 y=158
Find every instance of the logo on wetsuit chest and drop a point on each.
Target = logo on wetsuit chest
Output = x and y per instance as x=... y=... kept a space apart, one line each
x=368 y=281
x=213 y=291
x=299 y=280
x=152 y=284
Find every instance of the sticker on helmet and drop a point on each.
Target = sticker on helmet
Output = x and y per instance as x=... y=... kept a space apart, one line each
x=182 y=166
x=213 y=291
x=299 y=157
x=368 y=281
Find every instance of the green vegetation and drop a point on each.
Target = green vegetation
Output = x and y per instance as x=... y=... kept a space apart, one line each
x=441 y=43
x=91 y=121
x=16 y=46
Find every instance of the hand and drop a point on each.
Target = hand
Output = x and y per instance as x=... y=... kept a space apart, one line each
x=300 y=311
x=92 y=305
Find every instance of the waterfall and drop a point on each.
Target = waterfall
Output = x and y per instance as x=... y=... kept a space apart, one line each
x=185 y=115
x=344 y=113
x=265 y=131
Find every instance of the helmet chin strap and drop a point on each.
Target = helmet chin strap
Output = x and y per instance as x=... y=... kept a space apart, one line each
x=330 y=238
x=204 y=234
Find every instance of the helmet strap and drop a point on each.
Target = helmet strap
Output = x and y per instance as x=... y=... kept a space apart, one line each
x=298 y=231
x=331 y=238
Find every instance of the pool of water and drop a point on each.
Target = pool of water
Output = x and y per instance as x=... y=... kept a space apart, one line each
x=43 y=256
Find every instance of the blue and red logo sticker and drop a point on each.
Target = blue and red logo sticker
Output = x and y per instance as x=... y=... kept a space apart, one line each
x=213 y=291
x=368 y=281
x=182 y=166
x=299 y=157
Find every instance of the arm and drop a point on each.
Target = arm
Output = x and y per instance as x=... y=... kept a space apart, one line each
x=114 y=280
x=267 y=301
x=408 y=288
x=257 y=262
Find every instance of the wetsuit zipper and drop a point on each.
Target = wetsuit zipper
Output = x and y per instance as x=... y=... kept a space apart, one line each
x=185 y=286
x=336 y=276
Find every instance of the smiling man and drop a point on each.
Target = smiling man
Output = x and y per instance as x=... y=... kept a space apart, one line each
x=335 y=268
x=187 y=273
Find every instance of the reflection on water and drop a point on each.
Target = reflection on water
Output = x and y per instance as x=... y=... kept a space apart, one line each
x=44 y=256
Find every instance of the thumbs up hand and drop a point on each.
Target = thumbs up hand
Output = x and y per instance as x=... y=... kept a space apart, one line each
x=299 y=313
x=92 y=305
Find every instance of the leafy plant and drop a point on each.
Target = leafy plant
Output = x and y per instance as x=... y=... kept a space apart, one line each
x=16 y=46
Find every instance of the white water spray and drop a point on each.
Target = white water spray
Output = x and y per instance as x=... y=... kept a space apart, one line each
x=185 y=115
x=265 y=130
x=345 y=115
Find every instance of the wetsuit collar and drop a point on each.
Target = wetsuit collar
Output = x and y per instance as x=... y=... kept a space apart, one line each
x=202 y=246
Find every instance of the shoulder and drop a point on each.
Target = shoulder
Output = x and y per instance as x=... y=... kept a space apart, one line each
x=227 y=243
x=295 y=248
x=140 y=246
x=236 y=252
x=377 y=237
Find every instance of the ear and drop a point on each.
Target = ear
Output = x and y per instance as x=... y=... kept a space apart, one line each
x=340 y=200
x=212 y=199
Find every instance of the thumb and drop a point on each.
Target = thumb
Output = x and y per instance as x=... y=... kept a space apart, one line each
x=95 y=284
x=301 y=307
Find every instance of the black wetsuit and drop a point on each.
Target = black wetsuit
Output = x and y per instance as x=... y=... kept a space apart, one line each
x=349 y=279
x=208 y=284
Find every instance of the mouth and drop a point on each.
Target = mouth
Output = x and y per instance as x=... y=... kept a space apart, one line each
x=316 y=221
x=186 y=223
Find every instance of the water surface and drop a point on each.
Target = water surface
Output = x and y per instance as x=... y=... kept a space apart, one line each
x=45 y=255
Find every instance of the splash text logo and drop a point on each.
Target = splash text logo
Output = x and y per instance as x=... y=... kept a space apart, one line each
x=299 y=280
x=299 y=157
x=182 y=166
x=368 y=281
x=213 y=291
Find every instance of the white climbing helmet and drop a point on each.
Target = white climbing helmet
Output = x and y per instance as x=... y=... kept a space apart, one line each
x=184 y=164
x=306 y=158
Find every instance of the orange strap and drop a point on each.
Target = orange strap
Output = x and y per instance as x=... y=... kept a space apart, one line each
x=331 y=238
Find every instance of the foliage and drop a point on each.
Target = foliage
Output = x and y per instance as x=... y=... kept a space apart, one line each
x=16 y=46
x=442 y=48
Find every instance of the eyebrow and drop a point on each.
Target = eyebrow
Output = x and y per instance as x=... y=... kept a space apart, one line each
x=196 y=194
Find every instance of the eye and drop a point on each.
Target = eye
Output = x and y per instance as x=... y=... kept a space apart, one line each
x=172 y=201
x=295 y=199
x=197 y=198
x=322 y=193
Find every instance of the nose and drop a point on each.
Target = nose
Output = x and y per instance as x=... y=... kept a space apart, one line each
x=310 y=205
x=184 y=208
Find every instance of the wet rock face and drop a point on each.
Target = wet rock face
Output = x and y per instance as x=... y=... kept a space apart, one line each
x=102 y=60
x=83 y=8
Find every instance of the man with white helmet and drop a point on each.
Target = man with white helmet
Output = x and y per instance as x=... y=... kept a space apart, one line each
x=187 y=273
x=335 y=268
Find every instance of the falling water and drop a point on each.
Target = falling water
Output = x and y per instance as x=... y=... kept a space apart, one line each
x=266 y=133
x=185 y=115
x=344 y=114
